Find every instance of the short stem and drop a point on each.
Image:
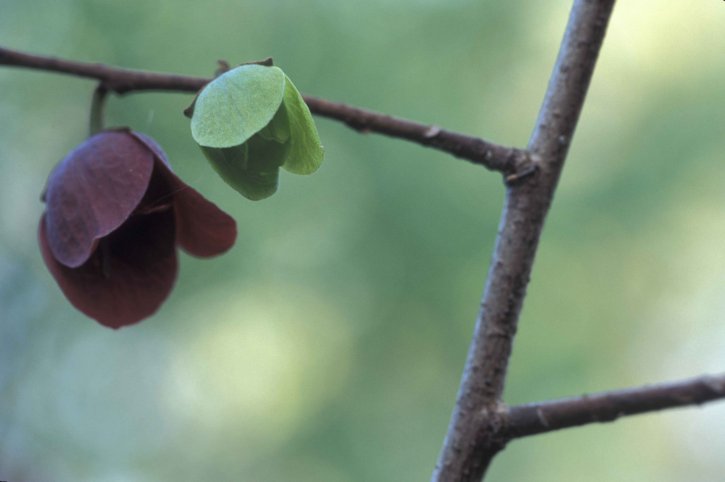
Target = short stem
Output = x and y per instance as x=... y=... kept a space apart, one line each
x=98 y=109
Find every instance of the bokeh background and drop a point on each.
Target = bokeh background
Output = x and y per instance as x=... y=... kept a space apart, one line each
x=328 y=344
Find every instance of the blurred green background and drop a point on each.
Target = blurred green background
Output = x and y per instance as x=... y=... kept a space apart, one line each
x=328 y=344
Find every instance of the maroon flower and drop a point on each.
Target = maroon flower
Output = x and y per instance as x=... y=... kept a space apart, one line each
x=114 y=216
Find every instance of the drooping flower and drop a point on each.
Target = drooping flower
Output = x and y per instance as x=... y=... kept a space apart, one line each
x=115 y=215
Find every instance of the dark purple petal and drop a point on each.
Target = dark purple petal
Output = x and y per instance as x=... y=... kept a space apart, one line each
x=153 y=147
x=93 y=191
x=128 y=276
x=202 y=228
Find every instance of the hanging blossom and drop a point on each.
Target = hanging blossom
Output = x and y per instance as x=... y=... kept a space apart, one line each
x=115 y=215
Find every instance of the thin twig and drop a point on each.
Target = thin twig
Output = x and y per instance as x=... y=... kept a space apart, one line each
x=118 y=80
x=492 y=156
x=507 y=160
x=475 y=434
x=536 y=418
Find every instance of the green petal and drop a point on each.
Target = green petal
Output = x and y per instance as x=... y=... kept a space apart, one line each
x=252 y=168
x=305 y=153
x=236 y=105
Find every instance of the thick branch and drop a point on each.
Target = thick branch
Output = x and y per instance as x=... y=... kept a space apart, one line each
x=474 y=434
x=536 y=418
x=510 y=161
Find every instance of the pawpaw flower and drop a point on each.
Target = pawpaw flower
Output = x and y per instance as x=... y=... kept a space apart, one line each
x=115 y=215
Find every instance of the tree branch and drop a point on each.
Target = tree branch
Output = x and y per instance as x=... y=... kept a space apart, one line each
x=510 y=161
x=475 y=434
x=536 y=418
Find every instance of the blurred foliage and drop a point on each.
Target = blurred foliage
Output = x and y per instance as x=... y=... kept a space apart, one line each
x=328 y=345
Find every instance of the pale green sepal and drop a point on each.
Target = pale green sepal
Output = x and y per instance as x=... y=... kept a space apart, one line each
x=236 y=105
x=305 y=152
